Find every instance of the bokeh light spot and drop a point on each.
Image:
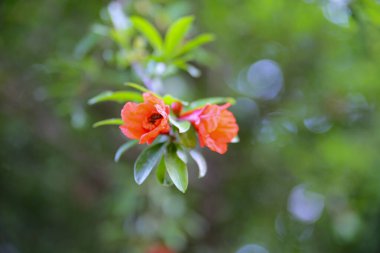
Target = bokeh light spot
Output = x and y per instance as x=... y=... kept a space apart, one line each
x=252 y=248
x=263 y=80
x=337 y=11
x=305 y=206
x=318 y=124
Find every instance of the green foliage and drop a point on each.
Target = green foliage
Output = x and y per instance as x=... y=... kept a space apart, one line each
x=183 y=126
x=196 y=42
x=169 y=99
x=57 y=179
x=175 y=35
x=176 y=168
x=137 y=87
x=161 y=171
x=149 y=31
x=213 y=100
x=147 y=160
x=116 y=96
x=123 y=148
x=188 y=139
x=107 y=122
x=201 y=162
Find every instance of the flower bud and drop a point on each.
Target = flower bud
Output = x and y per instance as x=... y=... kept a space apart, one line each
x=177 y=108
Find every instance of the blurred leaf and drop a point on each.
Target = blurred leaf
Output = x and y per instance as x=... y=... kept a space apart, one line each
x=176 y=34
x=108 y=122
x=213 y=100
x=137 y=87
x=201 y=162
x=86 y=44
x=192 y=70
x=182 y=126
x=146 y=161
x=121 y=37
x=116 y=96
x=100 y=29
x=149 y=31
x=189 y=138
x=121 y=150
x=196 y=42
x=169 y=99
x=176 y=168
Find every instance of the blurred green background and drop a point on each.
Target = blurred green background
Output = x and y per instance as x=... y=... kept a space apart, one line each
x=304 y=177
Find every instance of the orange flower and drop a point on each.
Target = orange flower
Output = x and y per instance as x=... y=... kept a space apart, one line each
x=145 y=121
x=216 y=126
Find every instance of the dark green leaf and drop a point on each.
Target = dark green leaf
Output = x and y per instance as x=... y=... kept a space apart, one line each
x=176 y=34
x=116 y=96
x=121 y=150
x=161 y=171
x=196 y=42
x=149 y=31
x=161 y=174
x=213 y=100
x=176 y=168
x=146 y=161
x=182 y=126
x=108 y=122
x=189 y=138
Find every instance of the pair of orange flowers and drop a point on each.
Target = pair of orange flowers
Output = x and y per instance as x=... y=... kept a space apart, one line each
x=215 y=125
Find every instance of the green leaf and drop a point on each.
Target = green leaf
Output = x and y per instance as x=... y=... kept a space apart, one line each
x=201 y=162
x=196 y=42
x=176 y=34
x=176 y=168
x=182 y=126
x=149 y=31
x=161 y=175
x=116 y=96
x=137 y=87
x=161 y=171
x=142 y=89
x=108 y=122
x=146 y=161
x=169 y=99
x=189 y=138
x=121 y=150
x=213 y=100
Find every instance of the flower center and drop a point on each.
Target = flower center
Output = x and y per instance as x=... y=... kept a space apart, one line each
x=152 y=121
x=154 y=117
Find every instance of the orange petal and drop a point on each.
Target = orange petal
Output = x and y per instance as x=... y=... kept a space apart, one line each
x=152 y=99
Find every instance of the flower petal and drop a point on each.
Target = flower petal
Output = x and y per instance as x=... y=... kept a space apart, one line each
x=137 y=119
